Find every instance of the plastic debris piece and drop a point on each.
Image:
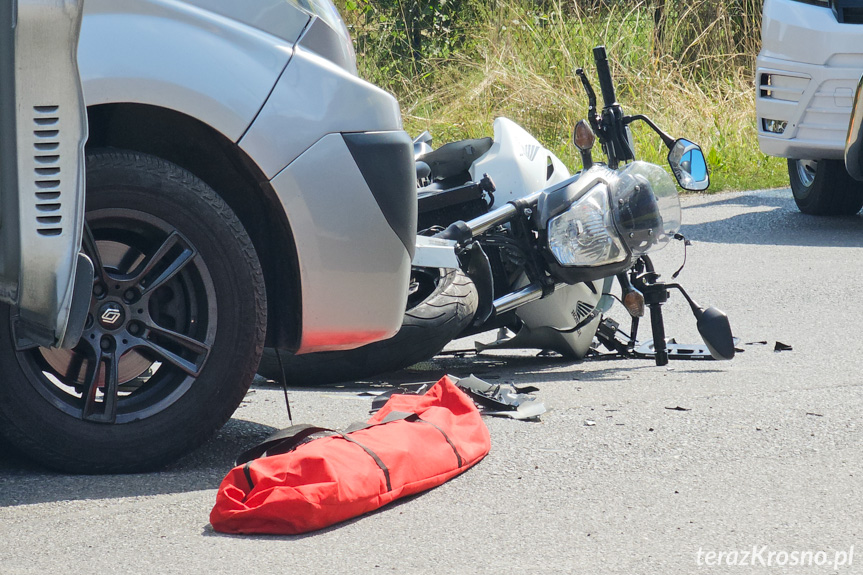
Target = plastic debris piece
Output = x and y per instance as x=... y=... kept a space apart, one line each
x=459 y=352
x=782 y=347
x=678 y=408
x=407 y=389
x=589 y=423
x=502 y=400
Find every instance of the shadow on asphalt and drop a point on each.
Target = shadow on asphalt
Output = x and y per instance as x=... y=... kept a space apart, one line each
x=23 y=482
x=771 y=218
x=500 y=367
x=208 y=530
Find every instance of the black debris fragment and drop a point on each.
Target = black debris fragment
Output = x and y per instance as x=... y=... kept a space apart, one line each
x=782 y=347
x=460 y=352
x=678 y=408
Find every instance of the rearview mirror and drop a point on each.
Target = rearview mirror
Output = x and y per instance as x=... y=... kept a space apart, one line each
x=715 y=330
x=689 y=166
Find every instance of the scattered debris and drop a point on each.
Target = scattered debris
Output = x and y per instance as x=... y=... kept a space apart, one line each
x=620 y=344
x=815 y=414
x=459 y=352
x=380 y=398
x=589 y=423
x=502 y=400
x=678 y=408
x=782 y=347
x=757 y=343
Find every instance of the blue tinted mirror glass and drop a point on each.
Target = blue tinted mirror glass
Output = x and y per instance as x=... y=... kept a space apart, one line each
x=689 y=166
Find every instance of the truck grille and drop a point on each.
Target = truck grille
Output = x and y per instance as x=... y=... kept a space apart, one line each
x=846 y=12
x=780 y=87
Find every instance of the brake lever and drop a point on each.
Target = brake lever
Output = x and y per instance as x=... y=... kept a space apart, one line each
x=592 y=111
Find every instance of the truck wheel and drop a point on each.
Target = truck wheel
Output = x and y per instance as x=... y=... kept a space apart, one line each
x=441 y=305
x=175 y=331
x=824 y=188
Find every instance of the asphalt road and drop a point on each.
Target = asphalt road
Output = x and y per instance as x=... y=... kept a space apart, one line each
x=767 y=456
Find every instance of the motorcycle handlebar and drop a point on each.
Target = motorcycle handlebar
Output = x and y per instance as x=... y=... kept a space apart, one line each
x=462 y=231
x=606 y=84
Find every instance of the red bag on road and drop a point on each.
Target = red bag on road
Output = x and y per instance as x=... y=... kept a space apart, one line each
x=414 y=443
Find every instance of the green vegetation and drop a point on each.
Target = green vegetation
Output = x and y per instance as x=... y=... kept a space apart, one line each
x=455 y=65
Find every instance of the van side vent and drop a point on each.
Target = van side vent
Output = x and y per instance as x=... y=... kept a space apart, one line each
x=46 y=170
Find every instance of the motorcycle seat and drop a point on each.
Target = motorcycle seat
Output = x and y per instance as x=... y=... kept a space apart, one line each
x=455 y=157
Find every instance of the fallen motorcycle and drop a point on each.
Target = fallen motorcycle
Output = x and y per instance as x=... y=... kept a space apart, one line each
x=551 y=255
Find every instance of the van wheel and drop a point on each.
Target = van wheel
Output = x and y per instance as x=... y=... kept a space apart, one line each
x=174 y=333
x=824 y=188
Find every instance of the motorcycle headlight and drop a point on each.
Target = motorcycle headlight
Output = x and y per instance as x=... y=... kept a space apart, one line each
x=622 y=215
x=584 y=235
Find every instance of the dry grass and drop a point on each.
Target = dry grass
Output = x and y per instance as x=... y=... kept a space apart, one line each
x=694 y=81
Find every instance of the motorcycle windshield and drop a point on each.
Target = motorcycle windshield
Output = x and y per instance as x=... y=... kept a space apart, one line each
x=646 y=207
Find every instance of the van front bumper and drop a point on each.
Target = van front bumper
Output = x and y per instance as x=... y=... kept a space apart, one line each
x=351 y=203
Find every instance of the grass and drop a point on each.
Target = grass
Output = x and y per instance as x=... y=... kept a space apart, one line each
x=519 y=58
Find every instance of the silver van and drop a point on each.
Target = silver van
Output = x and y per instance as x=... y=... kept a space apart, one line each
x=243 y=188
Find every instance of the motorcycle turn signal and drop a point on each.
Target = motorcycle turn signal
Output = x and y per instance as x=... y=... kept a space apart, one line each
x=633 y=301
x=583 y=137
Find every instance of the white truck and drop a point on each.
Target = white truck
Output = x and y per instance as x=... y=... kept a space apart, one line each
x=243 y=187
x=807 y=71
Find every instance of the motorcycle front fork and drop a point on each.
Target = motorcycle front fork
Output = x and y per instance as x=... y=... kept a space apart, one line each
x=643 y=277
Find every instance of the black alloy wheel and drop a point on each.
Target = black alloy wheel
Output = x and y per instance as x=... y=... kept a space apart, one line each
x=174 y=333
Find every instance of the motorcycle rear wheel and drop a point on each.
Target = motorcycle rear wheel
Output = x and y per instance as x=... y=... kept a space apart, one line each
x=441 y=305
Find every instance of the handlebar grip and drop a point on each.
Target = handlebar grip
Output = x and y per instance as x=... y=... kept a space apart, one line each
x=606 y=84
